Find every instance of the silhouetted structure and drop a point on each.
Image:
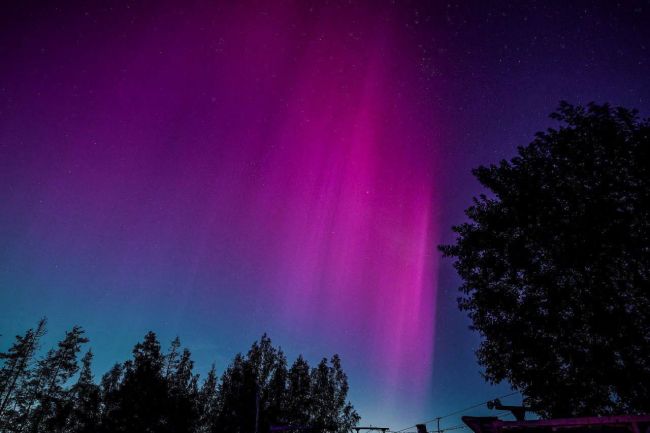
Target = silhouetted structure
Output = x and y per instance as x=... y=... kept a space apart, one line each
x=605 y=424
x=519 y=412
x=377 y=429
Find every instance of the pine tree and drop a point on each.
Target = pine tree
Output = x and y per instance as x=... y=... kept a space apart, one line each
x=237 y=395
x=183 y=380
x=109 y=387
x=15 y=371
x=276 y=392
x=171 y=359
x=146 y=400
x=86 y=401
x=52 y=373
x=182 y=386
x=137 y=403
x=206 y=403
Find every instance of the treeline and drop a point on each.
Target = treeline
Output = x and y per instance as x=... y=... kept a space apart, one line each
x=159 y=392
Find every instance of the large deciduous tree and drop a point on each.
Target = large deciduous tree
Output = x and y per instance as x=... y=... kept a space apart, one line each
x=555 y=265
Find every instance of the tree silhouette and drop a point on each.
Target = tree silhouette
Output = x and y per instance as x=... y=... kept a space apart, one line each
x=237 y=398
x=145 y=399
x=85 y=401
x=207 y=403
x=257 y=392
x=159 y=392
x=555 y=264
x=15 y=373
x=276 y=393
x=183 y=391
x=48 y=397
x=329 y=388
x=299 y=393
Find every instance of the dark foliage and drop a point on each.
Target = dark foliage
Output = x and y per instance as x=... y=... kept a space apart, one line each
x=555 y=264
x=158 y=392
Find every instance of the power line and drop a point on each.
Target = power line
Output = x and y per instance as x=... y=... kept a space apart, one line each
x=456 y=427
x=455 y=413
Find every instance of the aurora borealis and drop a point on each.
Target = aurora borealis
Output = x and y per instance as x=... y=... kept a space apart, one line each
x=216 y=170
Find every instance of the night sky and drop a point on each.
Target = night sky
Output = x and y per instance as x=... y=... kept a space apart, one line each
x=216 y=170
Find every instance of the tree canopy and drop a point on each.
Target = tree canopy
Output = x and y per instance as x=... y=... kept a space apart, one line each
x=555 y=265
x=158 y=392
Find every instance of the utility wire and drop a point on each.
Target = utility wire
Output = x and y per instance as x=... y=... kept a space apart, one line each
x=456 y=427
x=455 y=413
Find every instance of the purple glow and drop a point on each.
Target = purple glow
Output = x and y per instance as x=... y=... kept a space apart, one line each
x=215 y=171
x=269 y=172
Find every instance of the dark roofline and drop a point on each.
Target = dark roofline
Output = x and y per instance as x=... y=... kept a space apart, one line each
x=495 y=425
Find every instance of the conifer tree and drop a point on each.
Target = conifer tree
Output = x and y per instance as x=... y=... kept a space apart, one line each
x=138 y=402
x=86 y=400
x=15 y=371
x=160 y=393
x=171 y=359
x=52 y=373
x=206 y=403
x=276 y=392
x=109 y=387
x=183 y=389
x=236 y=413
